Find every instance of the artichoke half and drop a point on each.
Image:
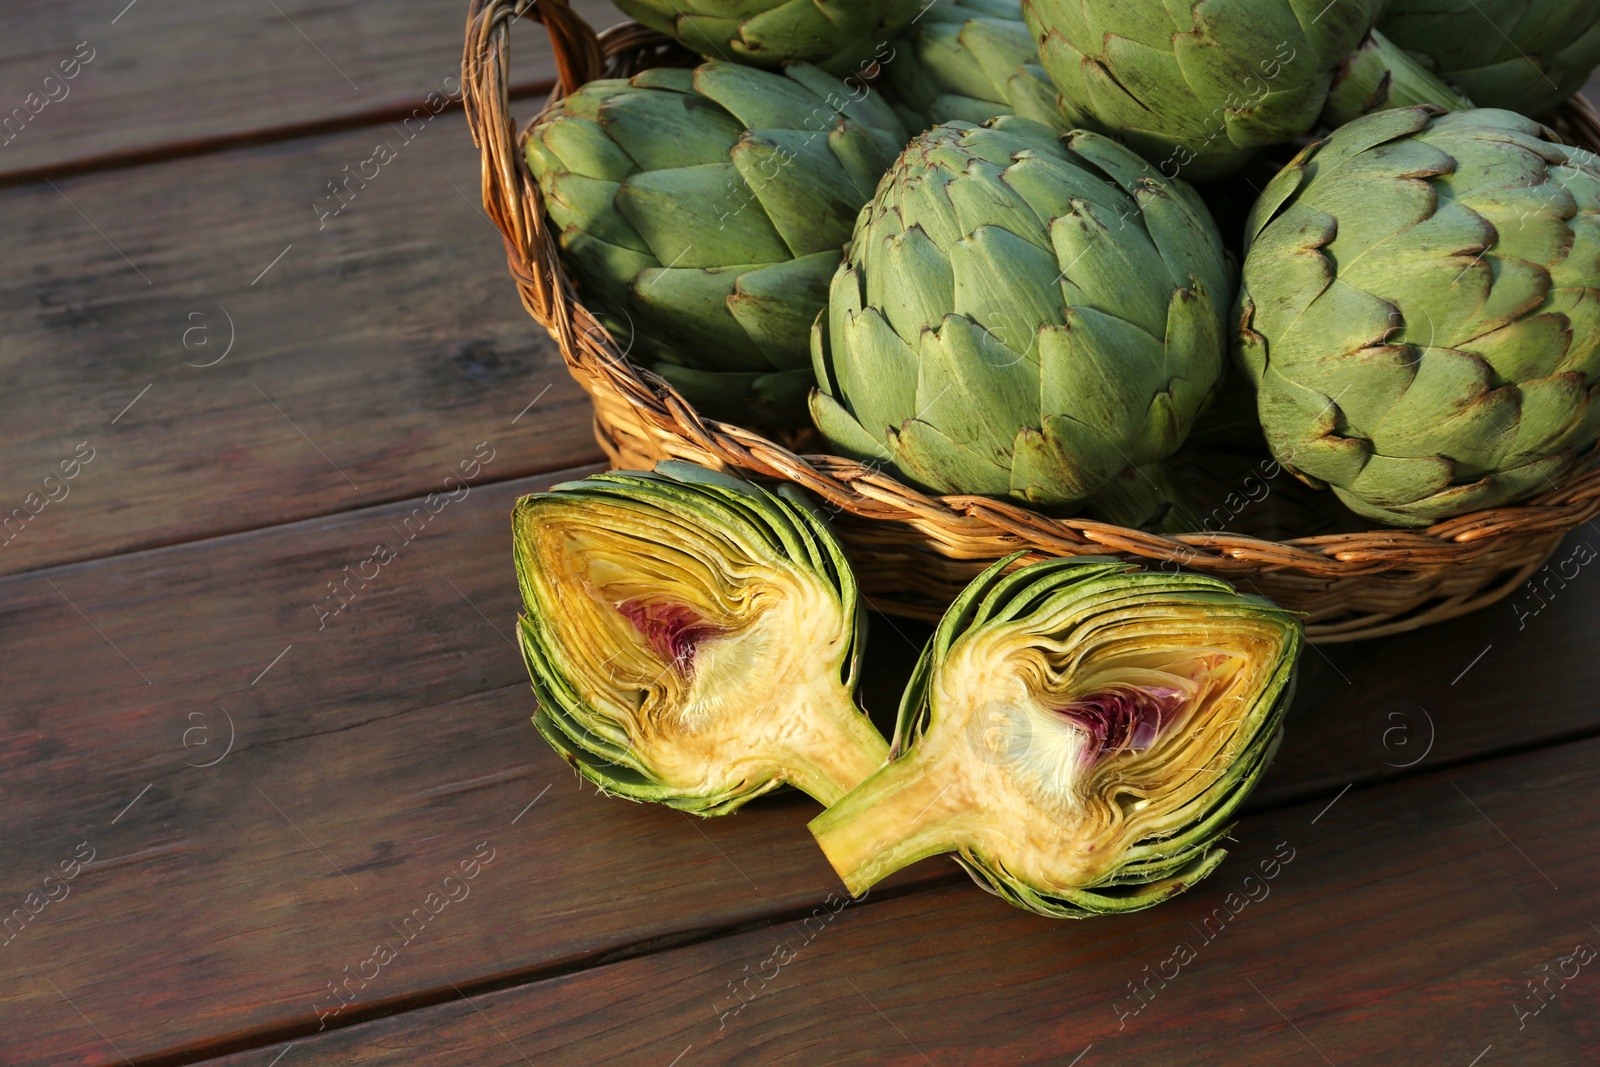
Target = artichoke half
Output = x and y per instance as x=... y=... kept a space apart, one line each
x=1022 y=315
x=1523 y=55
x=1199 y=86
x=693 y=639
x=1418 y=312
x=969 y=60
x=834 y=34
x=702 y=213
x=1079 y=734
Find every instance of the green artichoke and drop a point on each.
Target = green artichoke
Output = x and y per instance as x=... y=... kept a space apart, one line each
x=1418 y=311
x=1022 y=315
x=1079 y=733
x=702 y=213
x=969 y=60
x=1199 y=86
x=1379 y=75
x=837 y=35
x=1525 y=55
x=693 y=639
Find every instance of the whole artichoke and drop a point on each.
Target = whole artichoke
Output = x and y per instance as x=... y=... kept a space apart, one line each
x=1525 y=55
x=1079 y=733
x=693 y=639
x=837 y=35
x=702 y=213
x=1418 y=311
x=969 y=60
x=1198 y=86
x=1022 y=315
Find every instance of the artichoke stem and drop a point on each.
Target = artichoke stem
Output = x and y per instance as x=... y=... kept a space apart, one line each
x=1146 y=498
x=899 y=815
x=1381 y=75
x=837 y=759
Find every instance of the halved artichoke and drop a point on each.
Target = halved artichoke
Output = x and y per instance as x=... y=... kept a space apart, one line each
x=693 y=639
x=1079 y=734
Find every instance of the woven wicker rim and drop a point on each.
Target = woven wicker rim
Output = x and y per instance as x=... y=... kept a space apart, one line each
x=963 y=527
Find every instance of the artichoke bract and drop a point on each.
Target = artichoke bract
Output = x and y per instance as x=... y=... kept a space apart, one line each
x=1418 y=312
x=969 y=60
x=1079 y=734
x=1022 y=315
x=702 y=213
x=1522 y=55
x=1200 y=86
x=837 y=35
x=693 y=639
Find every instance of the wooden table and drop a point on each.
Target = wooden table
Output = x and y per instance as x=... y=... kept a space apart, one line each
x=236 y=784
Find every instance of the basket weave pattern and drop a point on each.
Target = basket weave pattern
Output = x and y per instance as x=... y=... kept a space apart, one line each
x=914 y=552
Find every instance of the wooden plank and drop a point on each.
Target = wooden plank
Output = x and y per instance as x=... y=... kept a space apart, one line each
x=382 y=747
x=371 y=756
x=370 y=350
x=1402 y=926
x=180 y=76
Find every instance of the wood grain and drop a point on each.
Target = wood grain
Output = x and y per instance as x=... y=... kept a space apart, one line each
x=377 y=750
x=179 y=76
x=371 y=757
x=1403 y=928
x=368 y=348
x=381 y=748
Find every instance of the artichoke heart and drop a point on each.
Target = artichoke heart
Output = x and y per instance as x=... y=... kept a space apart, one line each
x=693 y=639
x=1079 y=734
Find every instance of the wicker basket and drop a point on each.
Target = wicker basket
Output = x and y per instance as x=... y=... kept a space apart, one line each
x=913 y=551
